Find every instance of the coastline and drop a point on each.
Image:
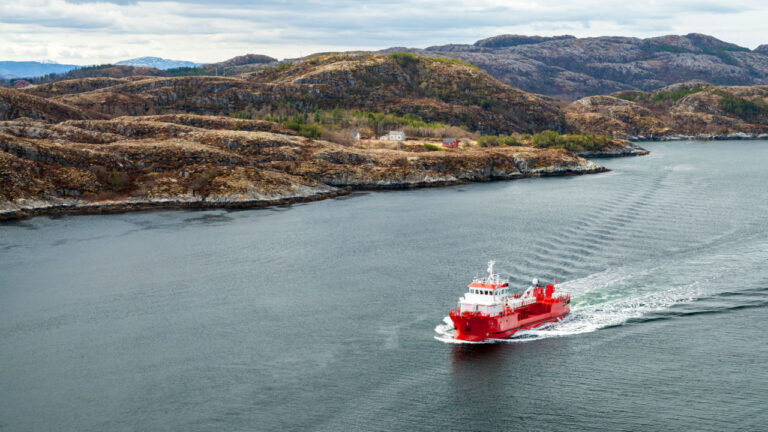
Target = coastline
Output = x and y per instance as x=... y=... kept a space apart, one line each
x=631 y=149
x=699 y=137
x=27 y=208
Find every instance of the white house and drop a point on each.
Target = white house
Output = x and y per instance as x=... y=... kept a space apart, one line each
x=396 y=136
x=355 y=134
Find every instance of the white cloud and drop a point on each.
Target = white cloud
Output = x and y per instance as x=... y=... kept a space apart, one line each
x=85 y=31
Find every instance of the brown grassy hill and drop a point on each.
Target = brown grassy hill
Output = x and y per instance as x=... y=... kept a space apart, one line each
x=15 y=104
x=435 y=89
x=135 y=163
x=694 y=108
x=73 y=86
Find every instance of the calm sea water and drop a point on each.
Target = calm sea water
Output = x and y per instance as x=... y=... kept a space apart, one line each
x=329 y=315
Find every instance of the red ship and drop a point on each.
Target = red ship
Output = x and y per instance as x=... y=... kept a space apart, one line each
x=490 y=311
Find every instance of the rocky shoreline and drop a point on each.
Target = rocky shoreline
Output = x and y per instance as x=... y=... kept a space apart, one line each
x=630 y=149
x=25 y=208
x=699 y=137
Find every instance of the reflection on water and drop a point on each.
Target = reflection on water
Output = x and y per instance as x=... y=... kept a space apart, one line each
x=209 y=219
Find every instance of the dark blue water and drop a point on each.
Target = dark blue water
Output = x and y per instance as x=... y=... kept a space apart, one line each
x=329 y=315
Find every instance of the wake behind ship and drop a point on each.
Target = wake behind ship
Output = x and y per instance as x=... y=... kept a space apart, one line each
x=490 y=311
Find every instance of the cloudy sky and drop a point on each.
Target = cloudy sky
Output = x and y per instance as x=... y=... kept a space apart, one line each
x=91 y=31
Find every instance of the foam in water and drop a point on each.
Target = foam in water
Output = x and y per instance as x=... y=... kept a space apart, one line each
x=614 y=296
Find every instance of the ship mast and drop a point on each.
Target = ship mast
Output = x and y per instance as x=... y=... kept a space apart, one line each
x=490 y=270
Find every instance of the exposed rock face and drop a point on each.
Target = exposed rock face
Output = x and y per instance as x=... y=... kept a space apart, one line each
x=435 y=89
x=187 y=160
x=572 y=68
x=694 y=109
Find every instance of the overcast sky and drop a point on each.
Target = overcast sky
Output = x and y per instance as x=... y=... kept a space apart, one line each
x=91 y=32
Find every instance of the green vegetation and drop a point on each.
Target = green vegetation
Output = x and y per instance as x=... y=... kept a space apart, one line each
x=675 y=95
x=283 y=66
x=300 y=125
x=743 y=108
x=662 y=97
x=451 y=61
x=404 y=59
x=549 y=139
x=82 y=72
x=432 y=147
x=243 y=115
x=572 y=142
x=272 y=71
x=495 y=141
x=379 y=123
x=187 y=71
x=632 y=97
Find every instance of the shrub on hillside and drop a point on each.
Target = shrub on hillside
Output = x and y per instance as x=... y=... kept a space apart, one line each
x=495 y=141
x=743 y=108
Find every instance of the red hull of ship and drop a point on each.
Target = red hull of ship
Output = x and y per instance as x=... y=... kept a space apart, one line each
x=476 y=327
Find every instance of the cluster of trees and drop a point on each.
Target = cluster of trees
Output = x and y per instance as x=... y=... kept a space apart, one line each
x=675 y=95
x=572 y=142
x=406 y=59
x=496 y=140
x=549 y=139
x=742 y=108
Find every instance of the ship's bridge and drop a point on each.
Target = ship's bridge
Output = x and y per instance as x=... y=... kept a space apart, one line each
x=486 y=295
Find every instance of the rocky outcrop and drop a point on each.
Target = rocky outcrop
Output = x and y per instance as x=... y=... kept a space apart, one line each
x=196 y=161
x=623 y=150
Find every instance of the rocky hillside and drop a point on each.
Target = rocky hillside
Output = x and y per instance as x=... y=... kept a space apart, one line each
x=694 y=109
x=15 y=104
x=570 y=68
x=434 y=88
x=237 y=65
x=187 y=160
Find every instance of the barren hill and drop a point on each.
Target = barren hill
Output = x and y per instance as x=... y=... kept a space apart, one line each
x=15 y=104
x=570 y=68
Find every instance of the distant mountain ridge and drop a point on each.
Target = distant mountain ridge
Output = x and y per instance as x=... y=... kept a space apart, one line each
x=31 y=69
x=568 y=67
x=157 y=63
